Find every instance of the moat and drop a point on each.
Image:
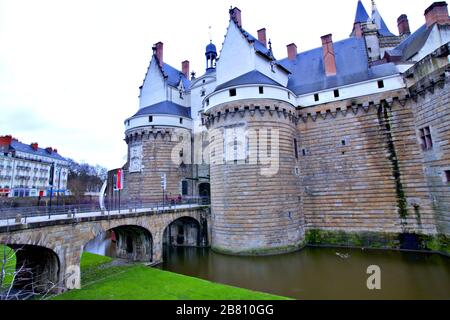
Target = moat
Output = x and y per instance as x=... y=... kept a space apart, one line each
x=320 y=273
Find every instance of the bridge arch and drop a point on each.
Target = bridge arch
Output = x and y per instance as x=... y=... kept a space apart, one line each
x=36 y=271
x=183 y=231
x=126 y=241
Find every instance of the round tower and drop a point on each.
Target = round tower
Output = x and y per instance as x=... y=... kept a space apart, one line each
x=158 y=139
x=255 y=183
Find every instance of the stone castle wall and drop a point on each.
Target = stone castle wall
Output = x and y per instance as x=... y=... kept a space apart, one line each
x=255 y=209
x=361 y=167
x=430 y=104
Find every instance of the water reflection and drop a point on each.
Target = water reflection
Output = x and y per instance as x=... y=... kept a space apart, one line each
x=320 y=273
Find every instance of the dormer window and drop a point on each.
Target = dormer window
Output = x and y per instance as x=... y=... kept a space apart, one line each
x=150 y=118
x=261 y=90
x=232 y=92
x=380 y=84
x=316 y=97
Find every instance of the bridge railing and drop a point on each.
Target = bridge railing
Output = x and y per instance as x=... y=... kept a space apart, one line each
x=28 y=214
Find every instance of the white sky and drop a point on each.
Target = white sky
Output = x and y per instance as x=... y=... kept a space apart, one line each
x=70 y=71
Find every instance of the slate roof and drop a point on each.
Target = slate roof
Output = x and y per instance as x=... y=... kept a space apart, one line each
x=308 y=71
x=210 y=48
x=174 y=76
x=361 y=13
x=252 y=77
x=165 y=107
x=19 y=146
x=260 y=47
x=411 y=45
x=384 y=30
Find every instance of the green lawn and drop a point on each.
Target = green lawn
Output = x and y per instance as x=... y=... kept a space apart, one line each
x=138 y=282
x=10 y=265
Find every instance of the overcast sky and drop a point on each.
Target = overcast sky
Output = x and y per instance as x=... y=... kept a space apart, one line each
x=70 y=71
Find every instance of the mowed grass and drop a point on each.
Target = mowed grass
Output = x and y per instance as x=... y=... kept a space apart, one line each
x=10 y=265
x=138 y=282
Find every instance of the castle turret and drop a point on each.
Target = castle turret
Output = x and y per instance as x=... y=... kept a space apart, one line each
x=211 y=56
x=251 y=125
x=159 y=134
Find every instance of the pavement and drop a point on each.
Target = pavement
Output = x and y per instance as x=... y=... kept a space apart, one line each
x=56 y=217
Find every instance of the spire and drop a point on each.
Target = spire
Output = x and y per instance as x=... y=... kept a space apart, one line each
x=361 y=13
x=377 y=19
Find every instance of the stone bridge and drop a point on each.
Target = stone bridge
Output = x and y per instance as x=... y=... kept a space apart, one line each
x=52 y=248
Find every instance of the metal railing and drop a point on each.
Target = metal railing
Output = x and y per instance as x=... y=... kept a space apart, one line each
x=22 y=214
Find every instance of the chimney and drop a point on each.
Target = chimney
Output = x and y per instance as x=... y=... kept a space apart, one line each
x=55 y=150
x=292 y=51
x=49 y=150
x=357 y=30
x=159 y=53
x=235 y=15
x=185 y=68
x=5 y=140
x=34 y=146
x=403 y=25
x=328 y=55
x=262 y=36
x=437 y=13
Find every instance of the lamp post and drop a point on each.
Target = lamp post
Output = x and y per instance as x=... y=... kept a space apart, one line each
x=52 y=174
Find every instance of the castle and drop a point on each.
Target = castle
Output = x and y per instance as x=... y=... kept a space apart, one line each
x=348 y=143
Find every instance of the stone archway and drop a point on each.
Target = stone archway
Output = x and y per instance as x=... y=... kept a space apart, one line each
x=37 y=270
x=129 y=242
x=184 y=231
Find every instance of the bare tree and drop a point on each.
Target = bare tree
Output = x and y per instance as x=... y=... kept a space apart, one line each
x=34 y=287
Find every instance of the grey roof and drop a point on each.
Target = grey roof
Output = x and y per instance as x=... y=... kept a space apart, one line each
x=174 y=76
x=19 y=146
x=308 y=72
x=210 y=48
x=260 y=47
x=361 y=13
x=384 y=30
x=411 y=45
x=252 y=77
x=165 y=107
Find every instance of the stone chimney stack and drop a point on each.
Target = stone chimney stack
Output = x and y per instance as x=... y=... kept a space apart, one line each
x=437 y=13
x=49 y=150
x=185 y=68
x=262 y=36
x=34 y=146
x=235 y=15
x=159 y=53
x=328 y=55
x=403 y=25
x=292 y=51
x=358 y=30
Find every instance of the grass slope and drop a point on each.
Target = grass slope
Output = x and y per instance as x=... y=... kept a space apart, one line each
x=10 y=265
x=138 y=282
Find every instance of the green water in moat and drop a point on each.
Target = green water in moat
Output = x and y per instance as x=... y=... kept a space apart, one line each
x=319 y=273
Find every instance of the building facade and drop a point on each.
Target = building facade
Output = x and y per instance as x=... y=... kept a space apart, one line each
x=351 y=137
x=30 y=171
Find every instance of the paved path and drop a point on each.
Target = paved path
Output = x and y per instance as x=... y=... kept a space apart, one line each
x=45 y=218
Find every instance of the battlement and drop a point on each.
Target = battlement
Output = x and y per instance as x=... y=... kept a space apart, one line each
x=250 y=108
